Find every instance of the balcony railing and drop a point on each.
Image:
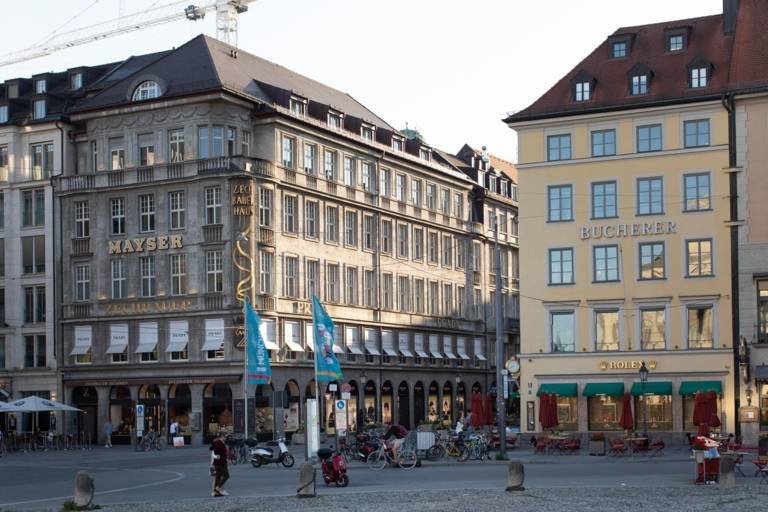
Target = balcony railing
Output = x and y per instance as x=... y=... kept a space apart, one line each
x=267 y=236
x=81 y=246
x=212 y=233
x=145 y=174
x=214 y=302
x=265 y=303
x=77 y=310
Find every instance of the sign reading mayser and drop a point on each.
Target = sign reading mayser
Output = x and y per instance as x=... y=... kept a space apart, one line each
x=149 y=244
x=624 y=230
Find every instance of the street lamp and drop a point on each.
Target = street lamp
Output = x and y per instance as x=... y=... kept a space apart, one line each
x=643 y=379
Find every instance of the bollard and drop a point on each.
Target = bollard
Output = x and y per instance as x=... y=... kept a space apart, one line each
x=306 y=481
x=727 y=474
x=83 y=489
x=515 y=476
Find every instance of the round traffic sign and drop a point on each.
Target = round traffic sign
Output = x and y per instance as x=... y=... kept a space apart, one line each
x=340 y=404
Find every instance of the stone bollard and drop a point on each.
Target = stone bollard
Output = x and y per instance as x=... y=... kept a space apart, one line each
x=727 y=474
x=515 y=476
x=306 y=481
x=83 y=489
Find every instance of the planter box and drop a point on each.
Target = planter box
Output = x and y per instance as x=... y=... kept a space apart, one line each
x=597 y=447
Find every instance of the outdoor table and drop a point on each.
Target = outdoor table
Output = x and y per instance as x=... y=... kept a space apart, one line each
x=633 y=440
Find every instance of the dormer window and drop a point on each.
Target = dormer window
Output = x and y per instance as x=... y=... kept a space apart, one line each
x=40 y=86
x=146 y=90
x=619 y=50
x=676 y=39
x=698 y=78
x=39 y=109
x=298 y=106
x=639 y=85
x=639 y=79
x=3 y=113
x=675 y=43
x=334 y=120
x=397 y=144
x=582 y=91
x=583 y=84
x=366 y=132
x=424 y=154
x=76 y=81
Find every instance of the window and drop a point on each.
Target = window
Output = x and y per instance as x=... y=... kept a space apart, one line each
x=311 y=212
x=560 y=203
x=148 y=278
x=447 y=251
x=652 y=261
x=653 y=329
x=2 y=210
x=312 y=275
x=431 y=195
x=696 y=133
x=214 y=272
x=350 y=229
x=176 y=145
x=39 y=109
x=385 y=183
x=266 y=269
x=117 y=210
x=34 y=351
x=607 y=330
x=698 y=77
x=387 y=292
x=289 y=214
x=289 y=151
x=33 y=254
x=4 y=159
x=76 y=81
x=82 y=282
x=699 y=257
x=310 y=159
x=203 y=142
x=424 y=154
x=461 y=247
x=40 y=86
x=265 y=207
x=217 y=146
x=605 y=263
x=366 y=132
x=146 y=90
x=448 y=299
x=403 y=293
x=332 y=224
x=603 y=143
x=558 y=147
x=561 y=266
x=416 y=193
x=697 y=192
x=386 y=236
x=350 y=288
x=178 y=274
x=291 y=273
x=432 y=247
x=116 y=153
x=582 y=92
x=675 y=43
x=33 y=203
x=458 y=202
x=176 y=204
x=367 y=232
x=618 y=50
x=368 y=287
x=445 y=202
x=298 y=107
x=146 y=213
x=368 y=178
x=146 y=149
x=402 y=240
x=118 y=273
x=231 y=140
x=400 y=187
x=562 y=331
x=330 y=165
x=398 y=144
x=42 y=161
x=332 y=282
x=82 y=219
x=700 y=334
x=334 y=120
x=3 y=363
x=604 y=200
x=418 y=296
x=34 y=304
x=418 y=244
x=434 y=298
x=3 y=113
x=650 y=199
x=349 y=172
x=245 y=143
x=649 y=138
x=639 y=85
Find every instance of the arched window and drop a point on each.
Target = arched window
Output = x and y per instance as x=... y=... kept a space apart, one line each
x=146 y=91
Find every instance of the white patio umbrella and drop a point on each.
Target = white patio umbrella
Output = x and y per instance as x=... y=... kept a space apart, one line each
x=37 y=404
x=6 y=407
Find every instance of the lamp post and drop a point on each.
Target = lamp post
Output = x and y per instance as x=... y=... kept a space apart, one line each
x=643 y=379
x=456 y=401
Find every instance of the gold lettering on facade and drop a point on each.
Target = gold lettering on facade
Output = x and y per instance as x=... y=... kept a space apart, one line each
x=127 y=246
x=114 y=246
x=176 y=242
x=138 y=244
x=162 y=242
x=148 y=244
x=242 y=200
x=302 y=307
x=151 y=244
x=161 y=306
x=625 y=364
x=624 y=230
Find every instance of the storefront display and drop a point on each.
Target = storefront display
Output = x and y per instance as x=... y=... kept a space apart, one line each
x=217 y=410
x=432 y=402
x=386 y=403
x=604 y=405
x=369 y=401
x=567 y=413
x=179 y=407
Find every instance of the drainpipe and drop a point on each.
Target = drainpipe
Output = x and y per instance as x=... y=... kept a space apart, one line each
x=728 y=104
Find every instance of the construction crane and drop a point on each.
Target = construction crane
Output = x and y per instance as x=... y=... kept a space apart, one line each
x=226 y=26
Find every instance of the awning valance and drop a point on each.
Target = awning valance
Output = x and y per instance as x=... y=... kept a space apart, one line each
x=691 y=387
x=147 y=337
x=214 y=334
x=561 y=389
x=268 y=332
x=292 y=336
x=603 y=388
x=652 y=388
x=461 y=348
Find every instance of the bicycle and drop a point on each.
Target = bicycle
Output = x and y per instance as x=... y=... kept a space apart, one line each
x=151 y=441
x=453 y=447
x=236 y=451
x=406 y=457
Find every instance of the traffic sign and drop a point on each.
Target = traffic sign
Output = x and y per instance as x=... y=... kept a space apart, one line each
x=340 y=412
x=346 y=388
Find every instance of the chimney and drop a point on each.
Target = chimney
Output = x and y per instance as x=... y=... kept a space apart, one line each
x=730 y=12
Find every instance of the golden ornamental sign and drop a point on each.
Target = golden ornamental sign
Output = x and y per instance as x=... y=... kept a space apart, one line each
x=625 y=365
x=147 y=244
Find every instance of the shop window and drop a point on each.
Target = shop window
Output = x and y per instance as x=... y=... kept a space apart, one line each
x=764 y=406
x=659 y=411
x=605 y=412
x=689 y=402
x=567 y=413
x=762 y=312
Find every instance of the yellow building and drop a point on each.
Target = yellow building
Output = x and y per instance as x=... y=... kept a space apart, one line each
x=624 y=187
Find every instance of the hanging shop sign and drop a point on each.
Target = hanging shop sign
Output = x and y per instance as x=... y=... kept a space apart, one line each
x=148 y=244
x=625 y=364
x=628 y=230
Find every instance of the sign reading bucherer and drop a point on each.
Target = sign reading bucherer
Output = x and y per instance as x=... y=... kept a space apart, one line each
x=628 y=230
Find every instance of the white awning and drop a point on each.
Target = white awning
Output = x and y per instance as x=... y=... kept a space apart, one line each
x=418 y=345
x=337 y=348
x=178 y=336
x=309 y=332
x=268 y=332
x=434 y=347
x=214 y=334
x=421 y=353
x=83 y=340
x=461 y=347
x=292 y=339
x=118 y=338
x=147 y=337
x=402 y=344
x=479 y=349
x=448 y=348
x=355 y=349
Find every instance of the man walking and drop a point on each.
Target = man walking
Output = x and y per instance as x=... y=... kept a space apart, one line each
x=108 y=433
x=174 y=430
x=219 y=463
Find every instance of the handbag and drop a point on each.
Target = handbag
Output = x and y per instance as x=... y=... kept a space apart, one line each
x=178 y=442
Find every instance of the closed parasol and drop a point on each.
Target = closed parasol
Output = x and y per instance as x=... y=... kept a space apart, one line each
x=627 y=421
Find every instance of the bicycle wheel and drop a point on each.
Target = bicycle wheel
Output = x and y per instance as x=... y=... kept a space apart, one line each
x=435 y=452
x=158 y=445
x=463 y=453
x=377 y=460
x=407 y=459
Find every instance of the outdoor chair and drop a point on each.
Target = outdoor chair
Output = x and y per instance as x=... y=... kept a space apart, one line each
x=737 y=465
x=760 y=463
x=541 y=444
x=640 y=447
x=657 y=448
x=764 y=475
x=618 y=447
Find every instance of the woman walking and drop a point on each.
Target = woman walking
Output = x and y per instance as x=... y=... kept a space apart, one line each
x=219 y=464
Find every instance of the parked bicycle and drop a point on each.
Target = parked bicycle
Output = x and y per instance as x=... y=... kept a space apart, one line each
x=150 y=441
x=406 y=457
x=448 y=445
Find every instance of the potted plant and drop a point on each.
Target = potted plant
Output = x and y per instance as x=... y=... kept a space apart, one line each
x=597 y=444
x=699 y=447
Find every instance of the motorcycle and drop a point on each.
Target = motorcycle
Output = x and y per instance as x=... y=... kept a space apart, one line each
x=266 y=455
x=334 y=468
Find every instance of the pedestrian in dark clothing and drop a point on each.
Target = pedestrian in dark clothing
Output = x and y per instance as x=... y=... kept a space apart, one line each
x=219 y=463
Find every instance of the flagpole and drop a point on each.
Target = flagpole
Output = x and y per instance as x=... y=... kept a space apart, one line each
x=245 y=368
x=317 y=382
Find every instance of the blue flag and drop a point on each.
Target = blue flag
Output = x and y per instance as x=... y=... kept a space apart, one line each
x=259 y=371
x=328 y=367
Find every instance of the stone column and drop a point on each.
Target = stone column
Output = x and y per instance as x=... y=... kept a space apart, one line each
x=164 y=422
x=102 y=394
x=411 y=405
x=196 y=392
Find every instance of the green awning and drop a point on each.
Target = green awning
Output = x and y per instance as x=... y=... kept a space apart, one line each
x=652 y=388
x=603 y=388
x=559 y=389
x=691 y=387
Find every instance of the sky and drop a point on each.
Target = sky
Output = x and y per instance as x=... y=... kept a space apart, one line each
x=450 y=68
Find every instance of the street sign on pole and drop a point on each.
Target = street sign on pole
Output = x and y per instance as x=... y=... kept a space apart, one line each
x=340 y=413
x=139 y=419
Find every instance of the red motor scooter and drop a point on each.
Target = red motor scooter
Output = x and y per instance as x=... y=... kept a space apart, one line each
x=334 y=467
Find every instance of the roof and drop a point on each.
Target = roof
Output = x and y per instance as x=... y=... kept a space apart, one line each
x=505 y=167
x=204 y=64
x=749 y=59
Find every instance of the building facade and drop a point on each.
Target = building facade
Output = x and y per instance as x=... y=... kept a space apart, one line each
x=624 y=171
x=188 y=191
